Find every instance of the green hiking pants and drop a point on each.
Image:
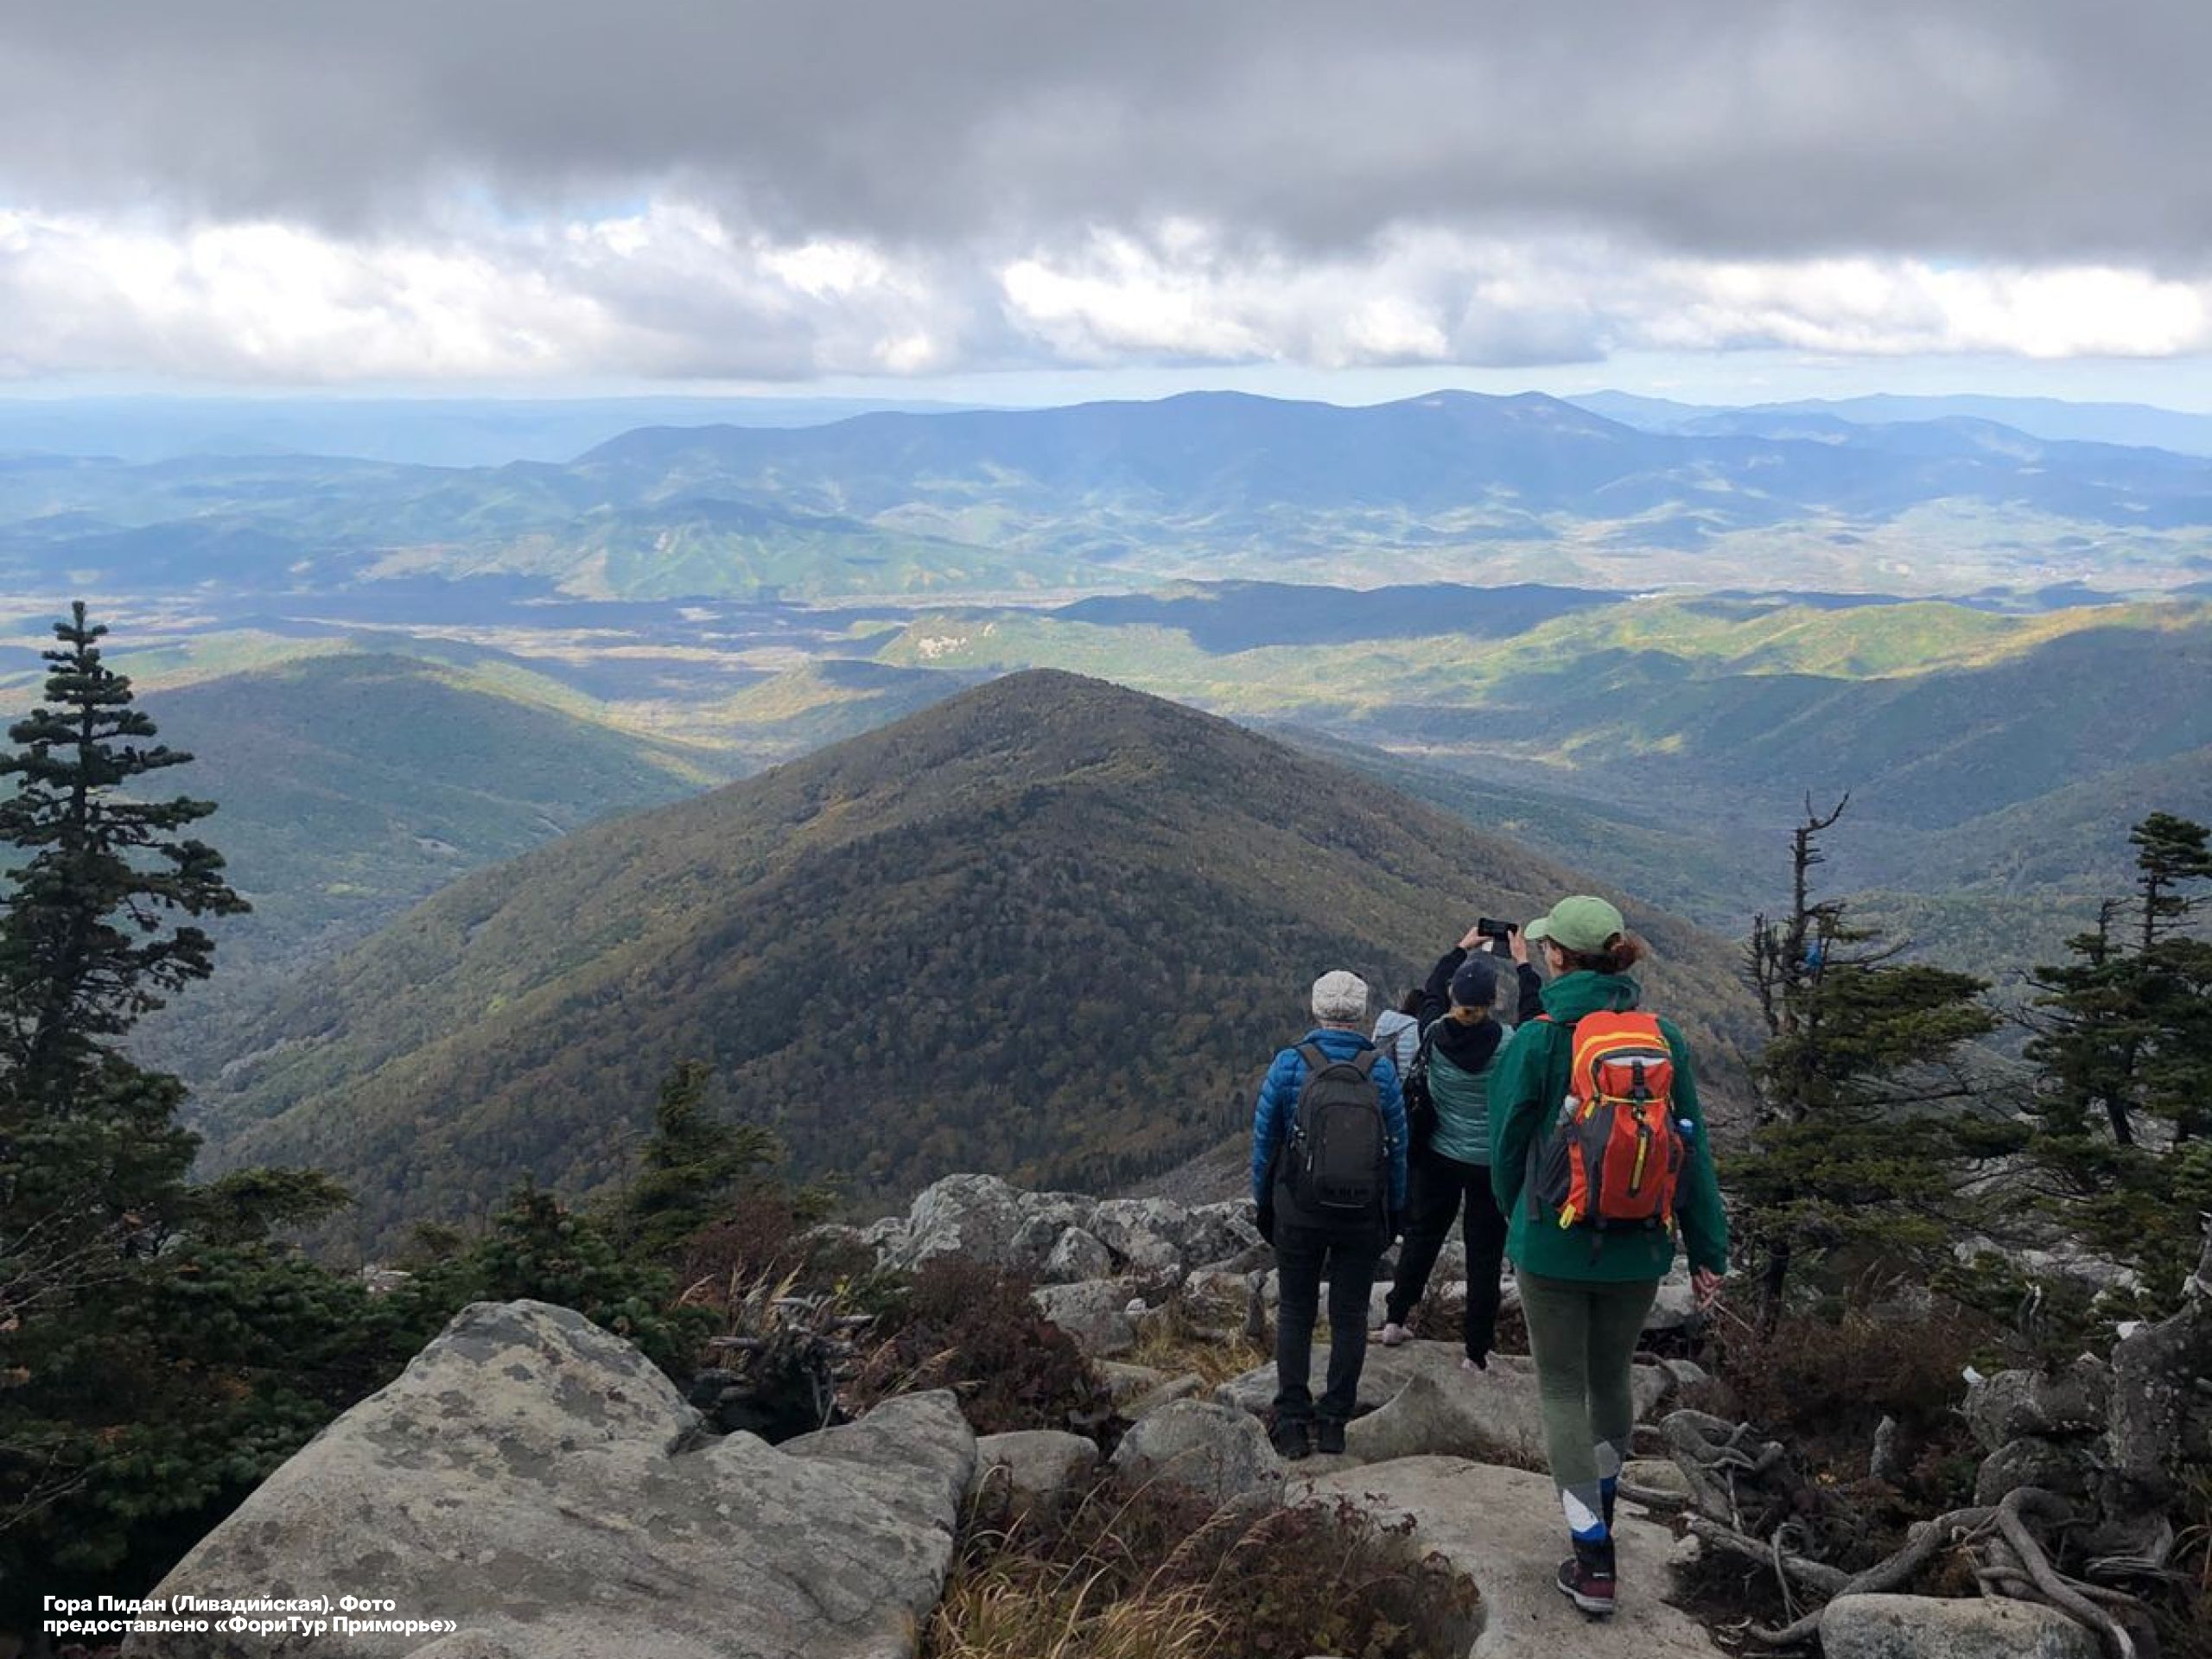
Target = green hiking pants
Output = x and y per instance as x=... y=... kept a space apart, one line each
x=1582 y=1335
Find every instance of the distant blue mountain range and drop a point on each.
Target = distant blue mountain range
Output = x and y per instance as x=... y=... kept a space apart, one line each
x=2134 y=425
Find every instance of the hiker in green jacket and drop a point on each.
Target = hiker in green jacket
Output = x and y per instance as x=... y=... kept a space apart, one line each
x=1585 y=1293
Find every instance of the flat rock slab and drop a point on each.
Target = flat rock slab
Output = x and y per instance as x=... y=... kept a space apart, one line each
x=1925 y=1627
x=1504 y=1529
x=1450 y=1413
x=529 y=1476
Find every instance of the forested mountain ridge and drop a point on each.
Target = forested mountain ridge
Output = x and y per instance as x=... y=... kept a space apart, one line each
x=353 y=785
x=1098 y=496
x=1049 y=927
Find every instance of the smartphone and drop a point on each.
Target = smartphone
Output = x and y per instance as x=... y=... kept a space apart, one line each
x=1489 y=929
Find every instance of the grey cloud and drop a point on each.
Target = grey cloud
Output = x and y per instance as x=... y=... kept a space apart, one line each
x=2030 y=129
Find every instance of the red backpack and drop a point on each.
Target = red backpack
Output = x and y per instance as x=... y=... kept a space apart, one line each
x=1615 y=1153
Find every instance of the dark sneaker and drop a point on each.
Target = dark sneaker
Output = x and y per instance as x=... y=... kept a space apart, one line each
x=1585 y=1577
x=1329 y=1438
x=1293 y=1440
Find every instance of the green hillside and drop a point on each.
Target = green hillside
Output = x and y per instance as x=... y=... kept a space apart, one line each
x=1048 y=927
x=352 y=787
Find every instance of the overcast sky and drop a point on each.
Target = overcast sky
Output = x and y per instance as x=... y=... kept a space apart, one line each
x=1701 y=196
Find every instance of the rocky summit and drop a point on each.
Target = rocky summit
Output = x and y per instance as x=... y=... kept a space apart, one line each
x=533 y=1488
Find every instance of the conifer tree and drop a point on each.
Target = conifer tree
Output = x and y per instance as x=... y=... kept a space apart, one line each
x=156 y=1355
x=97 y=927
x=1865 y=1130
x=2122 y=1146
x=693 y=1161
x=96 y=930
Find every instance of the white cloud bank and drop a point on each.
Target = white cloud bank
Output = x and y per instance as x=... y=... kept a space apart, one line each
x=671 y=291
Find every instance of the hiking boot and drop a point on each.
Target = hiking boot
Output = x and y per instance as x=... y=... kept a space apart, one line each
x=1585 y=1577
x=1469 y=1364
x=1329 y=1438
x=1394 y=1334
x=1293 y=1439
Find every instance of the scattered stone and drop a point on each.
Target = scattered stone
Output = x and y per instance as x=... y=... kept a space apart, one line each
x=1224 y=1306
x=1675 y=1308
x=1078 y=1255
x=1215 y=1449
x=887 y=1237
x=1687 y=1373
x=1125 y=1382
x=1095 y=1311
x=2003 y=1407
x=527 y=1477
x=1656 y=1475
x=1188 y=1385
x=2066 y=1467
x=1033 y=1463
x=1255 y=1258
x=1930 y=1627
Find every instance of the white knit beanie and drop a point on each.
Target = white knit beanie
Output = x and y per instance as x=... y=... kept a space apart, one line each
x=1340 y=995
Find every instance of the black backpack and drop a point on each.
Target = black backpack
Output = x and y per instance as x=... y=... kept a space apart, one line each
x=1420 y=1101
x=1338 y=1167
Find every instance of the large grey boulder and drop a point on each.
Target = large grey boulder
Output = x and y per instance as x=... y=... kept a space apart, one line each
x=1156 y=1236
x=1095 y=1311
x=1211 y=1449
x=537 y=1481
x=1930 y=1627
x=987 y=1220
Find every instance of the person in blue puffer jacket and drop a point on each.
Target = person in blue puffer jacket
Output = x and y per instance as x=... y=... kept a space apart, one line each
x=1309 y=1248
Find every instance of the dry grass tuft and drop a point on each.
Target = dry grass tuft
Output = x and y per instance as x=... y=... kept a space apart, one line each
x=1170 y=1342
x=1150 y=1570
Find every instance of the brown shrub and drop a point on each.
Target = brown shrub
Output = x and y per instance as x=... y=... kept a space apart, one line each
x=766 y=1234
x=962 y=1325
x=1824 y=1386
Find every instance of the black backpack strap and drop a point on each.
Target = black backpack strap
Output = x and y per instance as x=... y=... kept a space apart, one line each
x=1363 y=1062
x=1315 y=1057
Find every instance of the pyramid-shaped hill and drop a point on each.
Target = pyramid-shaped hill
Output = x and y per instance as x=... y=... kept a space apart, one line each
x=1050 y=927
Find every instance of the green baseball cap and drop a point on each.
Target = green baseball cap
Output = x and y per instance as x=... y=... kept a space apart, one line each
x=1583 y=924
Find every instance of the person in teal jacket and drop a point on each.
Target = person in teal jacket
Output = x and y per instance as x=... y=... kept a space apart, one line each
x=1586 y=1294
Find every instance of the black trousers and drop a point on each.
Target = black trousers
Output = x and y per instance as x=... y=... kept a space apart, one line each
x=1302 y=1255
x=1434 y=1188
